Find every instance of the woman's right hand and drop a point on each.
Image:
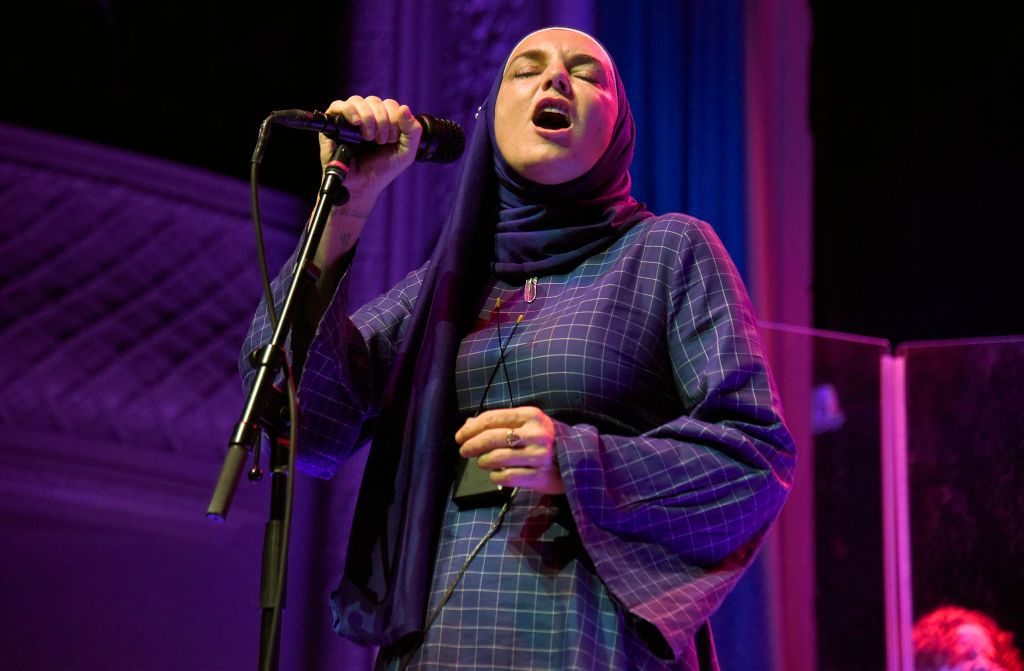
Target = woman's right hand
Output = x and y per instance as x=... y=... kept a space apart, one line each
x=392 y=136
x=382 y=122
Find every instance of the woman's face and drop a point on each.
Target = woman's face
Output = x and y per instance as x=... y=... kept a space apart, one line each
x=556 y=106
x=973 y=650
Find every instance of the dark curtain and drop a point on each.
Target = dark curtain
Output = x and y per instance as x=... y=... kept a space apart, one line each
x=918 y=164
x=682 y=63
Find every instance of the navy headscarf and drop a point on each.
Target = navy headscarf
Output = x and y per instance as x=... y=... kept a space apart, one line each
x=534 y=230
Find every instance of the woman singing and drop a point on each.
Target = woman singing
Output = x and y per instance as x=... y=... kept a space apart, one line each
x=600 y=363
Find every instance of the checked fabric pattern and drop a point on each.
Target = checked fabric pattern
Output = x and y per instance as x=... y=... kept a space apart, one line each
x=669 y=437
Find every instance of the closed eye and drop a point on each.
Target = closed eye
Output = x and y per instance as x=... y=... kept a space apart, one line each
x=588 y=75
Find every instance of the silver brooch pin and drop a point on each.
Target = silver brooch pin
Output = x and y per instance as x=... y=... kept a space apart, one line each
x=530 y=290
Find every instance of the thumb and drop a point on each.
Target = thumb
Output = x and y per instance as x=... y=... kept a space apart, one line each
x=410 y=126
x=327 y=147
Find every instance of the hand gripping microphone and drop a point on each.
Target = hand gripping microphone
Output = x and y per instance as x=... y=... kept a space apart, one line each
x=442 y=142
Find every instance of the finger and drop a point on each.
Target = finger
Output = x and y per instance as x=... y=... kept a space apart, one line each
x=347 y=109
x=534 y=456
x=367 y=119
x=490 y=439
x=511 y=417
x=394 y=119
x=543 y=481
x=498 y=438
x=380 y=113
x=484 y=442
x=505 y=418
x=327 y=146
x=530 y=478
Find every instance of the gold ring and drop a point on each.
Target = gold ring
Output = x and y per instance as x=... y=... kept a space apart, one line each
x=511 y=439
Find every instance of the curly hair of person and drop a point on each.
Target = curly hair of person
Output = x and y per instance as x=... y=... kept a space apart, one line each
x=935 y=637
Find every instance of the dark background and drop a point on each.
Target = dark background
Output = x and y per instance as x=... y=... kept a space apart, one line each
x=185 y=79
x=915 y=113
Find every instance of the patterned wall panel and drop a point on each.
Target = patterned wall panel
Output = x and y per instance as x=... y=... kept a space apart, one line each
x=125 y=288
x=126 y=285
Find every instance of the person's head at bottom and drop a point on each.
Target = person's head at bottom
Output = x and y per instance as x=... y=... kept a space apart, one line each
x=951 y=638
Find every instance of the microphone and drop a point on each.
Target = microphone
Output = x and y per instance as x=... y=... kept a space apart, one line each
x=442 y=142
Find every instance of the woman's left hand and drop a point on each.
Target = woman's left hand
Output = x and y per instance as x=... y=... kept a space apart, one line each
x=517 y=445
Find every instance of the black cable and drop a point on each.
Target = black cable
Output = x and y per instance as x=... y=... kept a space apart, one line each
x=496 y=524
x=501 y=352
x=261 y=252
x=293 y=411
x=500 y=364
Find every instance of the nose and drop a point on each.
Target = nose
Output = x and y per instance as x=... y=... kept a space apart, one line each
x=557 y=78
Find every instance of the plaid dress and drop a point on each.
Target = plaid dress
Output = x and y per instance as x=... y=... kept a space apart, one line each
x=669 y=437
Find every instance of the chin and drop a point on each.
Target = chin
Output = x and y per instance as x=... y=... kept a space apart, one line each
x=551 y=170
x=550 y=175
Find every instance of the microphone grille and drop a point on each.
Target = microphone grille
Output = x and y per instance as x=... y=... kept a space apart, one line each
x=443 y=140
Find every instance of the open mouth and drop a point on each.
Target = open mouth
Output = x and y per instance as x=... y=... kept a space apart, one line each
x=552 y=116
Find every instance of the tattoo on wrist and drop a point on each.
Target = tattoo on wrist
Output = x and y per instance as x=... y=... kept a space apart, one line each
x=355 y=214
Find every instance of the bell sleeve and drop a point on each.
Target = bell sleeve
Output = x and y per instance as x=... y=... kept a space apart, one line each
x=344 y=364
x=673 y=516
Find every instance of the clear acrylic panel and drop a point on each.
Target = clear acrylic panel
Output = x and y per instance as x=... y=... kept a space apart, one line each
x=965 y=447
x=832 y=530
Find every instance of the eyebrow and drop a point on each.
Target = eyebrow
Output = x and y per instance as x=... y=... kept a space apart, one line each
x=571 y=60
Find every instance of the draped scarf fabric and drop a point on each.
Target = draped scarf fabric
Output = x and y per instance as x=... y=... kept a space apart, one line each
x=534 y=229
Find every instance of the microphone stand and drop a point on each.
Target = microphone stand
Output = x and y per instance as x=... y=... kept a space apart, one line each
x=263 y=407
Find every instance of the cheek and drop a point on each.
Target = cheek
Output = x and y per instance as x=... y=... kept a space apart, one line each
x=599 y=133
x=504 y=122
x=501 y=131
x=609 y=112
